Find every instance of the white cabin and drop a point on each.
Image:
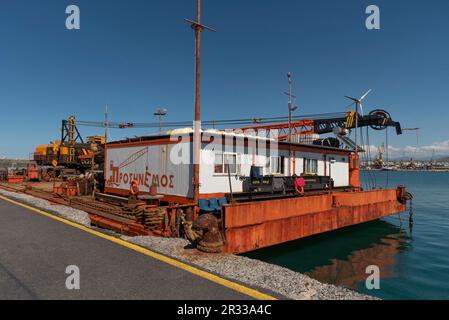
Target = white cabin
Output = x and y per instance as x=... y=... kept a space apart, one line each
x=167 y=163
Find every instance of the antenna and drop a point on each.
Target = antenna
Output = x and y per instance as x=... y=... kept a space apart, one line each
x=358 y=104
x=160 y=112
x=291 y=108
x=106 y=124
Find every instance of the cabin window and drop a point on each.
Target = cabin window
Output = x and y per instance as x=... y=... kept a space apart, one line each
x=218 y=163
x=230 y=159
x=222 y=161
x=276 y=165
x=310 y=166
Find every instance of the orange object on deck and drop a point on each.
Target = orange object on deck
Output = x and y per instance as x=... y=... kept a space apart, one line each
x=134 y=188
x=67 y=190
x=354 y=171
x=71 y=191
x=32 y=171
x=15 y=179
x=58 y=189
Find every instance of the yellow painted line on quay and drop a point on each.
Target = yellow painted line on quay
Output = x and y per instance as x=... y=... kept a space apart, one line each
x=181 y=265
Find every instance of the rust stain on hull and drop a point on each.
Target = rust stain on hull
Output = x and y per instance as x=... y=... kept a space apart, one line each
x=254 y=225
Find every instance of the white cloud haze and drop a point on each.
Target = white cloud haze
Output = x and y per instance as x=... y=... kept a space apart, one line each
x=437 y=149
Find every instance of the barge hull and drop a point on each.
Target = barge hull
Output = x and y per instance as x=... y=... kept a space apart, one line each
x=254 y=225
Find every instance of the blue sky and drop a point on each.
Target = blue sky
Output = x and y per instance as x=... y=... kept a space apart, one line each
x=138 y=55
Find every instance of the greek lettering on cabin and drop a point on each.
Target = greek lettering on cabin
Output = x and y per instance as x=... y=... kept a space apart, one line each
x=146 y=179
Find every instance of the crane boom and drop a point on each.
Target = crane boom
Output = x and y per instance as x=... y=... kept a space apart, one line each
x=319 y=124
x=377 y=120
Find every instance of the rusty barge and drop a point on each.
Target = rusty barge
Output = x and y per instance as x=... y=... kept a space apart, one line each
x=248 y=198
x=247 y=180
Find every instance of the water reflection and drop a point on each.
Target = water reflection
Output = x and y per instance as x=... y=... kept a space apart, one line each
x=351 y=272
x=341 y=257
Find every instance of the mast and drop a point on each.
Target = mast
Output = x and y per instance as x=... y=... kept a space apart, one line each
x=197 y=126
x=289 y=76
x=356 y=130
x=198 y=27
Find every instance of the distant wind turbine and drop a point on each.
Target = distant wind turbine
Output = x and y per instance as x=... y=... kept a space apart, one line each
x=358 y=104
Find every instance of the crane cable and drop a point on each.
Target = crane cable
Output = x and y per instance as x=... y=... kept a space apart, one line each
x=366 y=176
x=373 y=176
x=387 y=158
x=368 y=159
x=178 y=124
x=369 y=179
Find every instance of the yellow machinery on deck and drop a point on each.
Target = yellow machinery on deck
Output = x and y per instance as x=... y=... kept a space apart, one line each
x=71 y=150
